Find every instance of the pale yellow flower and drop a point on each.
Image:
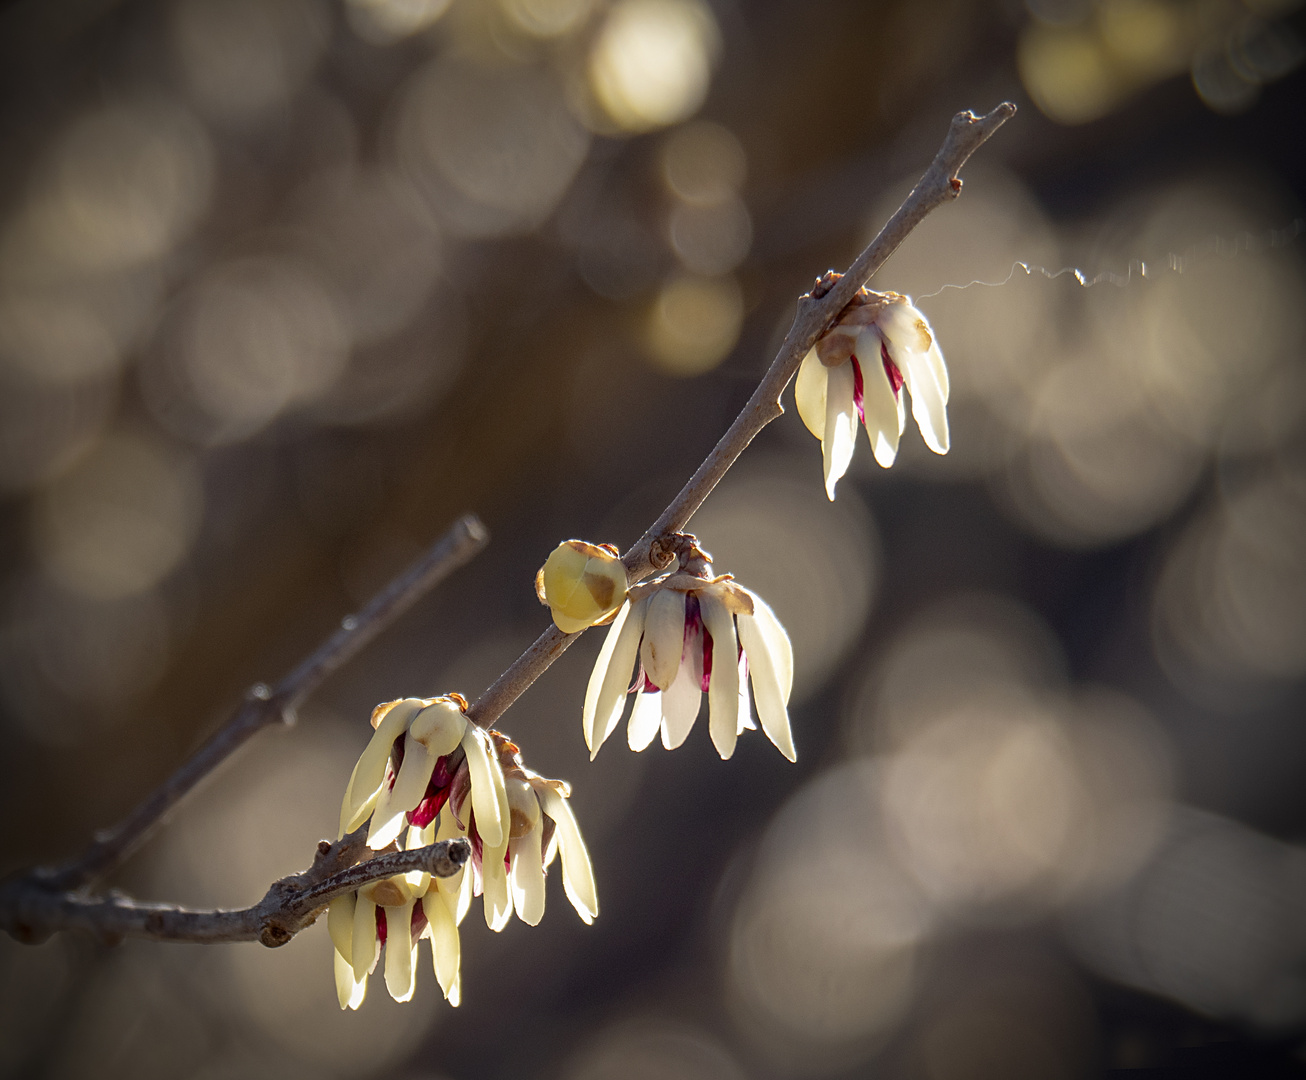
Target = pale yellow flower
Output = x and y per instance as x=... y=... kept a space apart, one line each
x=858 y=370
x=691 y=635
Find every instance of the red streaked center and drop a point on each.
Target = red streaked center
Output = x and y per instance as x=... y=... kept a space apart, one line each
x=891 y=369
x=858 y=389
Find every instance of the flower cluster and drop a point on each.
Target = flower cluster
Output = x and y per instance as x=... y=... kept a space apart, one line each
x=430 y=774
x=857 y=371
x=692 y=634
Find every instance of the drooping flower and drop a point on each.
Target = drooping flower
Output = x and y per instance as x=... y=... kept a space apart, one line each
x=429 y=774
x=393 y=914
x=691 y=634
x=858 y=369
x=424 y=749
x=542 y=827
x=582 y=584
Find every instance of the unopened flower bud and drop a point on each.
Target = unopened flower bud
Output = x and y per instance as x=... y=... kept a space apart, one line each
x=582 y=584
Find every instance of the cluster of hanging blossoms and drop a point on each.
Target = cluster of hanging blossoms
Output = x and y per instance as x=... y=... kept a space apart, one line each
x=429 y=774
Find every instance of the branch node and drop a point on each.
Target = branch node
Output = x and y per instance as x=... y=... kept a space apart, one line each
x=274 y=935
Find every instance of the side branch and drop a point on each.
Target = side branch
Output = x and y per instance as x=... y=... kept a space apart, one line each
x=31 y=913
x=817 y=310
x=264 y=706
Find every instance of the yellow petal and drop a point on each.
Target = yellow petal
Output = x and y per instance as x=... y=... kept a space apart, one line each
x=489 y=799
x=770 y=663
x=605 y=698
x=400 y=952
x=439 y=727
x=368 y=774
x=577 y=874
x=446 y=948
x=349 y=993
x=664 y=637
x=527 y=876
x=645 y=719
x=340 y=925
x=365 y=949
x=723 y=685
x=809 y=393
x=840 y=437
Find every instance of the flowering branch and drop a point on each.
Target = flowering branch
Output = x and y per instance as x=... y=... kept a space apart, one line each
x=264 y=706
x=31 y=913
x=817 y=311
x=45 y=900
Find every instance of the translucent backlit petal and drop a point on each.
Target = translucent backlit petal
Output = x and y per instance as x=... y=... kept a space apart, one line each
x=489 y=799
x=400 y=953
x=645 y=719
x=349 y=992
x=365 y=949
x=605 y=697
x=577 y=874
x=879 y=403
x=723 y=687
x=809 y=393
x=446 y=947
x=664 y=637
x=528 y=876
x=340 y=925
x=840 y=437
x=495 y=893
x=369 y=772
x=680 y=706
x=770 y=664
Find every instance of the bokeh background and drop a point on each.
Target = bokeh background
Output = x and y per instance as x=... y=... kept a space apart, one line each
x=287 y=285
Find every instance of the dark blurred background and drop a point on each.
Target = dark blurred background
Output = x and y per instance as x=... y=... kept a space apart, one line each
x=287 y=285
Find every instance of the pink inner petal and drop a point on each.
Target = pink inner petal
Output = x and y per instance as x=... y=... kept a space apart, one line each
x=418 y=922
x=380 y=924
x=857 y=389
x=707 y=661
x=891 y=369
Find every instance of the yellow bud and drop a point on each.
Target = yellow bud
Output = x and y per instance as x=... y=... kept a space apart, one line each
x=582 y=584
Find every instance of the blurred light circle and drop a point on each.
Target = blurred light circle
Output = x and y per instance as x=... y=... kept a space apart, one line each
x=1068 y=74
x=55 y=338
x=822 y=944
x=694 y=324
x=1098 y=464
x=819 y=568
x=703 y=163
x=652 y=61
x=62 y=648
x=493 y=150
x=378 y=243
x=968 y=647
x=548 y=18
x=45 y=427
x=244 y=57
x=1220 y=84
x=1212 y=922
x=711 y=240
x=258 y=335
x=121 y=519
x=125 y=183
x=383 y=22
x=1231 y=597
x=1215 y=333
x=1146 y=37
x=1008 y=804
x=653 y=1049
